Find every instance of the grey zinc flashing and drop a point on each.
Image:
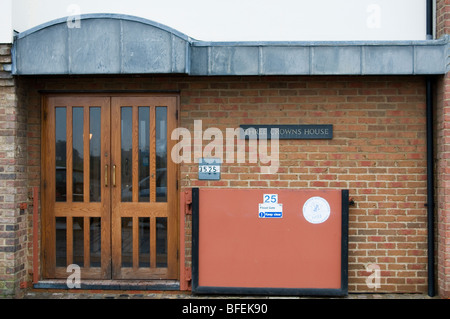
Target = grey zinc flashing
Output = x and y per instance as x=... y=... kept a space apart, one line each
x=294 y=60
x=104 y=44
x=95 y=48
x=114 y=16
x=425 y=58
x=199 y=60
x=121 y=44
x=336 y=60
x=387 y=59
x=233 y=60
x=145 y=50
x=324 y=58
x=44 y=53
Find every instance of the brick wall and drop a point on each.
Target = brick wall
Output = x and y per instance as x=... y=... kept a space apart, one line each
x=442 y=137
x=442 y=18
x=378 y=152
x=13 y=180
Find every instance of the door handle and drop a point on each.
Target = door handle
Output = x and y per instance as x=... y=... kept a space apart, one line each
x=114 y=176
x=106 y=175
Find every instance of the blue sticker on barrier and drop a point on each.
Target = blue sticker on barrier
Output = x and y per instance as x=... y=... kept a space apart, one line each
x=270 y=210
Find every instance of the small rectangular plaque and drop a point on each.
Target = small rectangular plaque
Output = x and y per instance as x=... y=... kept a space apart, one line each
x=288 y=132
x=209 y=169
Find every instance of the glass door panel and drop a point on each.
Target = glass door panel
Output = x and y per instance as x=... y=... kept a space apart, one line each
x=144 y=154
x=161 y=154
x=95 y=158
x=141 y=212
x=76 y=205
x=77 y=154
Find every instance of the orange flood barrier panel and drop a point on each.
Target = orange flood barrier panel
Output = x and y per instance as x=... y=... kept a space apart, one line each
x=263 y=241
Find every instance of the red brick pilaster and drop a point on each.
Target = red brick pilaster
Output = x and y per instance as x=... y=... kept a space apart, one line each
x=442 y=135
x=442 y=123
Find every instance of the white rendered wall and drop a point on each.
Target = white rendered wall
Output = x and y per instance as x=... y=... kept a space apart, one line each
x=250 y=20
x=6 y=29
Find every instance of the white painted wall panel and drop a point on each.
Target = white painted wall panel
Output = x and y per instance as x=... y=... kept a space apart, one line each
x=6 y=31
x=251 y=20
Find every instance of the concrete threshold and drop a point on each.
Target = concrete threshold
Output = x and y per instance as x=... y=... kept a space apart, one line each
x=160 y=285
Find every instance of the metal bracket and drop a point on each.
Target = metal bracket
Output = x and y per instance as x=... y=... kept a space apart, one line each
x=187 y=274
x=188 y=202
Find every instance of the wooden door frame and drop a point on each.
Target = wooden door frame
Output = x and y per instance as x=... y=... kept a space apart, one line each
x=45 y=164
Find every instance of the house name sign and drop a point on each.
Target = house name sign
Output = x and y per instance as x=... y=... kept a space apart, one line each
x=287 y=132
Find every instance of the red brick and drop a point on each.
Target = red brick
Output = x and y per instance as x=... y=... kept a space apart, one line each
x=369 y=157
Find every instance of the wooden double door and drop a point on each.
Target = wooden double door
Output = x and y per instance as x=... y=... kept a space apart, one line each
x=109 y=198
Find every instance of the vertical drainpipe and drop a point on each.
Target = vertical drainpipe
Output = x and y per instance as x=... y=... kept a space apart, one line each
x=430 y=19
x=430 y=160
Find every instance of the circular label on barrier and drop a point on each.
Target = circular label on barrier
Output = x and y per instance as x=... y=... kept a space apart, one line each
x=316 y=210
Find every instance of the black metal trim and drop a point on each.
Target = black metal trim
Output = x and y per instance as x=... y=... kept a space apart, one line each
x=195 y=237
x=196 y=289
x=211 y=290
x=345 y=203
x=430 y=187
